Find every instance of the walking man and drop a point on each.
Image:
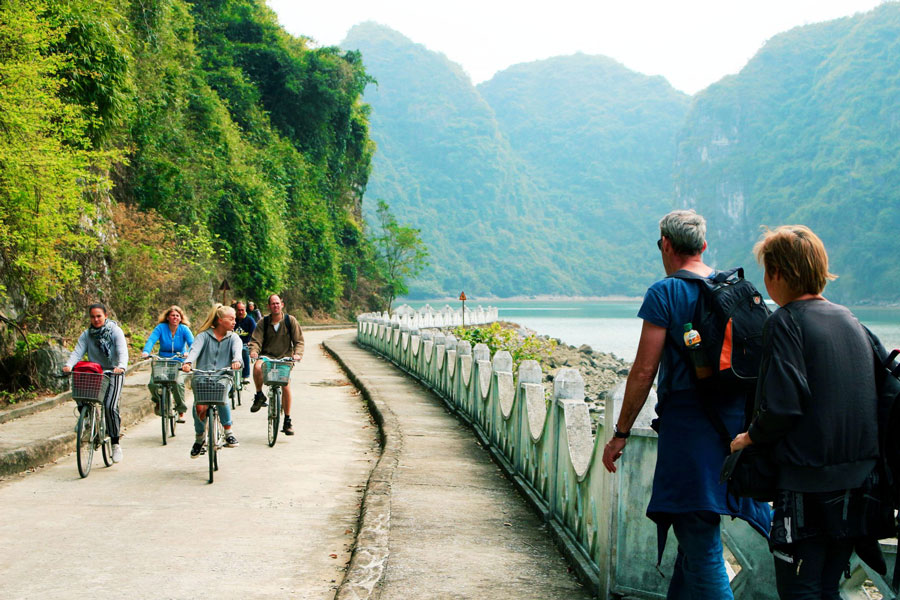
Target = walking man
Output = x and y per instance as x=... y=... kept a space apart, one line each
x=278 y=335
x=686 y=494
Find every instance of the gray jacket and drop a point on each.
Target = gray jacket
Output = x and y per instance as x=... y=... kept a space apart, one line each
x=207 y=353
x=117 y=358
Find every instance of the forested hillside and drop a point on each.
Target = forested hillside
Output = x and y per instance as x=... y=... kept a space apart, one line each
x=569 y=162
x=149 y=149
x=532 y=183
x=807 y=132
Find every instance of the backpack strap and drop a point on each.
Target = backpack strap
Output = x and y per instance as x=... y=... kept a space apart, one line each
x=290 y=329
x=706 y=403
x=717 y=276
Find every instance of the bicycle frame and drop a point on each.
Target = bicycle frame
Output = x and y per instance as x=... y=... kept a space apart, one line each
x=275 y=381
x=212 y=400
x=167 y=380
x=89 y=390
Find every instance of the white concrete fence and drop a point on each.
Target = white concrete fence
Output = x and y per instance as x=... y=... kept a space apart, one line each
x=428 y=317
x=544 y=443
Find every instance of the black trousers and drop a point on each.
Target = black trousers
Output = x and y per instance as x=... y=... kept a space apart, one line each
x=811 y=569
x=111 y=403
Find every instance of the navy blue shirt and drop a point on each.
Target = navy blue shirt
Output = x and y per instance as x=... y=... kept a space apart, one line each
x=244 y=328
x=690 y=452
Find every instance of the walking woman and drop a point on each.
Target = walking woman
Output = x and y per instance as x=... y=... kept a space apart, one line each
x=174 y=336
x=215 y=347
x=816 y=411
x=104 y=342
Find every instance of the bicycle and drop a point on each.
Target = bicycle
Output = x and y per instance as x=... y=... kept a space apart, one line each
x=276 y=375
x=89 y=389
x=236 y=387
x=211 y=389
x=164 y=372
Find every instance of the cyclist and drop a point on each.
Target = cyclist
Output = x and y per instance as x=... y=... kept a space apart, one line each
x=244 y=326
x=174 y=336
x=105 y=344
x=215 y=347
x=273 y=339
x=253 y=311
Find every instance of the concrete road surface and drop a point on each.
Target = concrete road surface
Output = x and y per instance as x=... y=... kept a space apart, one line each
x=277 y=523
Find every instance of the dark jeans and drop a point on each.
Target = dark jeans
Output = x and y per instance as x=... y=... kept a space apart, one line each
x=699 y=566
x=811 y=569
x=245 y=354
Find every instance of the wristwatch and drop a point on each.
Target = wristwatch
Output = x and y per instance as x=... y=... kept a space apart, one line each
x=621 y=434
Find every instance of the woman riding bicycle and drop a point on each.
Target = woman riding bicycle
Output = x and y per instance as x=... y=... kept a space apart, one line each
x=105 y=344
x=215 y=347
x=174 y=336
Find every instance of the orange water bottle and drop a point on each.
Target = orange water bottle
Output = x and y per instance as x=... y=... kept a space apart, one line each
x=698 y=357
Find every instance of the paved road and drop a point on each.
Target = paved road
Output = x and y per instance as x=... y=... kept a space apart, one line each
x=277 y=523
x=458 y=527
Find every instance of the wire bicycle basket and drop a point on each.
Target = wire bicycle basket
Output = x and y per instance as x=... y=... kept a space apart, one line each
x=211 y=389
x=277 y=373
x=89 y=387
x=164 y=370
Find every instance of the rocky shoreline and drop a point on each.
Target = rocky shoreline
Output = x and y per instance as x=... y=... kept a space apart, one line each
x=602 y=372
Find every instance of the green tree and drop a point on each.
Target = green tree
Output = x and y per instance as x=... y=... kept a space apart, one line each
x=401 y=253
x=47 y=166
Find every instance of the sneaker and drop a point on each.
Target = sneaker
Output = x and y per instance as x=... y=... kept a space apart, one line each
x=259 y=400
x=231 y=441
x=288 y=428
x=180 y=418
x=245 y=382
x=116 y=453
x=197 y=449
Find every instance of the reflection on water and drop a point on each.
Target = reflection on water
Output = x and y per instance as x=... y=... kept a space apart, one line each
x=614 y=326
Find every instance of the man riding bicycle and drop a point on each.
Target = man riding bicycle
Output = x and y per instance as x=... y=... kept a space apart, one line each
x=275 y=337
x=244 y=325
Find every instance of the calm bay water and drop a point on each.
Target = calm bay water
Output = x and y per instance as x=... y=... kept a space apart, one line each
x=613 y=326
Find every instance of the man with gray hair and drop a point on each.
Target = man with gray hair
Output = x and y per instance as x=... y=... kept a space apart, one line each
x=687 y=495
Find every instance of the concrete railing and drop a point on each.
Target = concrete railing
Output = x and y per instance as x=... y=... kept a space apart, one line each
x=428 y=317
x=544 y=442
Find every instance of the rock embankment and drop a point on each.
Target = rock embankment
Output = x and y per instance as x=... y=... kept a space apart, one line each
x=602 y=372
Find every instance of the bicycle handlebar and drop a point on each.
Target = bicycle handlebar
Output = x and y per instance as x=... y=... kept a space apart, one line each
x=286 y=359
x=221 y=371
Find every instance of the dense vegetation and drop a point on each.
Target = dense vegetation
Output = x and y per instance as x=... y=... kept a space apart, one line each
x=149 y=149
x=807 y=132
x=520 y=186
x=550 y=177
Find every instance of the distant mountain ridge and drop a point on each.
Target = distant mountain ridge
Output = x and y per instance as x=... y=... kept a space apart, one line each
x=550 y=177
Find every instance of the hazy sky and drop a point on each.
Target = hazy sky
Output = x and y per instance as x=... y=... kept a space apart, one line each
x=692 y=43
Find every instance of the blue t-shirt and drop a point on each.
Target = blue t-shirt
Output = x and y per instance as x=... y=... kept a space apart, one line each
x=690 y=452
x=670 y=303
x=169 y=344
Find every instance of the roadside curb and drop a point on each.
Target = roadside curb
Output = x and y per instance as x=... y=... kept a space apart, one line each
x=40 y=452
x=371 y=550
x=36 y=407
x=347 y=325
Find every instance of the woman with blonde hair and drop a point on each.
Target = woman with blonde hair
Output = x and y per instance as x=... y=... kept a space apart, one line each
x=816 y=413
x=174 y=336
x=216 y=347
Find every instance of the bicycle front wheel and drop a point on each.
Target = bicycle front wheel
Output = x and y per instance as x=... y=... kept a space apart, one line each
x=164 y=410
x=102 y=439
x=84 y=441
x=212 y=429
x=274 y=413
